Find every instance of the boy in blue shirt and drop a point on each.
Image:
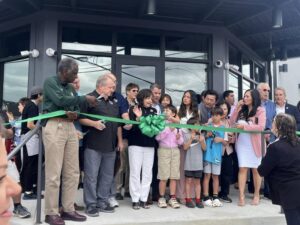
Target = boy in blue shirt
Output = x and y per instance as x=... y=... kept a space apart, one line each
x=212 y=158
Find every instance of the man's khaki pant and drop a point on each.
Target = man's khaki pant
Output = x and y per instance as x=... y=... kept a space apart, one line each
x=61 y=164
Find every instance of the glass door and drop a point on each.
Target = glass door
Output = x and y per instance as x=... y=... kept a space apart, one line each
x=140 y=71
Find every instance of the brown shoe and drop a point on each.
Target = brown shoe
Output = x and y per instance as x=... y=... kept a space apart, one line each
x=74 y=216
x=54 y=220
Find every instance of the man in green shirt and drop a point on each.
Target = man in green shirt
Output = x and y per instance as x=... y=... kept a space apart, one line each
x=61 y=143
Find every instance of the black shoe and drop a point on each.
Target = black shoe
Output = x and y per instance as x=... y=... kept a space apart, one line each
x=199 y=205
x=190 y=204
x=225 y=199
x=29 y=196
x=267 y=196
x=136 y=205
x=119 y=196
x=92 y=212
x=127 y=195
x=144 y=205
x=106 y=209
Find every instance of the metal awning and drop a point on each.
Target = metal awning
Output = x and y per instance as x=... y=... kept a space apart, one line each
x=250 y=20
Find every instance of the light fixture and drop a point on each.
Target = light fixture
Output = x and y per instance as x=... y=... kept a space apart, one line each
x=50 y=52
x=34 y=53
x=151 y=7
x=277 y=17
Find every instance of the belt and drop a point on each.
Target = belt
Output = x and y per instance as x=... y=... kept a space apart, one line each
x=61 y=119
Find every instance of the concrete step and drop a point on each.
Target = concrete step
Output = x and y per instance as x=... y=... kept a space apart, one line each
x=230 y=214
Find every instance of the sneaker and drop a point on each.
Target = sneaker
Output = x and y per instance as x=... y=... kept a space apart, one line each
x=199 y=205
x=208 y=202
x=22 y=212
x=173 y=203
x=225 y=199
x=92 y=212
x=119 y=196
x=106 y=208
x=162 y=203
x=216 y=203
x=190 y=204
x=113 y=202
x=29 y=196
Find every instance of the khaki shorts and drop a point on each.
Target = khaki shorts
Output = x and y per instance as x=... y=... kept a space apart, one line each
x=168 y=163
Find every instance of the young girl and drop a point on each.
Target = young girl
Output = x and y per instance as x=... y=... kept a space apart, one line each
x=227 y=161
x=188 y=109
x=169 y=159
x=141 y=152
x=194 y=144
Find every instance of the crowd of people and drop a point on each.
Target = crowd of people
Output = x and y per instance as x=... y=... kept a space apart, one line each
x=112 y=161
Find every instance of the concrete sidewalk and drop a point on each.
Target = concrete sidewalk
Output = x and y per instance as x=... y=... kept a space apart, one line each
x=230 y=214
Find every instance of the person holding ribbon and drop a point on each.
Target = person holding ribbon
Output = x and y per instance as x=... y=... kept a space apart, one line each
x=141 y=152
x=61 y=143
x=249 y=116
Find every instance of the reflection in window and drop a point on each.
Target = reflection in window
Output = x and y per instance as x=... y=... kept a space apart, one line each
x=15 y=83
x=85 y=38
x=90 y=68
x=246 y=86
x=259 y=73
x=140 y=75
x=85 y=47
x=233 y=84
x=138 y=44
x=180 y=77
x=192 y=46
x=246 y=67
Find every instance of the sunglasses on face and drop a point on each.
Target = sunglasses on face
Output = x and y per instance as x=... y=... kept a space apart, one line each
x=134 y=90
x=268 y=90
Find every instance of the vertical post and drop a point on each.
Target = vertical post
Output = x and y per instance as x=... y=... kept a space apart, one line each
x=39 y=181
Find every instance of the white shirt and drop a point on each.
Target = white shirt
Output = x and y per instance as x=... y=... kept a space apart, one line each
x=280 y=109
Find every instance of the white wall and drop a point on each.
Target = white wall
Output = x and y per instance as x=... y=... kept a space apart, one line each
x=290 y=80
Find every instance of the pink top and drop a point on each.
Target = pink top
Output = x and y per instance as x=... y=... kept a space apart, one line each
x=167 y=138
x=259 y=126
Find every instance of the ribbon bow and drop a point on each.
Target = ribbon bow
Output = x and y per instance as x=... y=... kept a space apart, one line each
x=152 y=125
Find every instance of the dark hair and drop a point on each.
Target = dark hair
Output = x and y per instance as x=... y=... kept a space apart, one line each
x=287 y=127
x=35 y=96
x=23 y=101
x=166 y=96
x=194 y=105
x=144 y=93
x=67 y=65
x=152 y=86
x=131 y=86
x=256 y=102
x=227 y=93
x=298 y=106
x=192 y=121
x=217 y=111
x=223 y=102
x=211 y=92
x=172 y=108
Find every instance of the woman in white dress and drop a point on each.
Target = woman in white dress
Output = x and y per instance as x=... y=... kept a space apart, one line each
x=249 y=116
x=188 y=109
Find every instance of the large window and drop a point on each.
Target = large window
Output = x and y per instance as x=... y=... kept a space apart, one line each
x=233 y=82
x=187 y=46
x=138 y=44
x=90 y=68
x=15 y=83
x=180 y=76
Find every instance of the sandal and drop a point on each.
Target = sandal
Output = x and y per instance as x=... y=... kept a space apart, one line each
x=144 y=205
x=241 y=201
x=255 y=200
x=136 y=205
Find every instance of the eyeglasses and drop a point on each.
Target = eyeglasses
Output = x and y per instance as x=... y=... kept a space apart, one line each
x=268 y=90
x=134 y=90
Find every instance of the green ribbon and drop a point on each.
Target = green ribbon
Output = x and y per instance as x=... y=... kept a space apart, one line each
x=152 y=125
x=149 y=125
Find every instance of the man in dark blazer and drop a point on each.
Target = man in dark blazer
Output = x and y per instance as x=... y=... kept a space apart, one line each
x=283 y=107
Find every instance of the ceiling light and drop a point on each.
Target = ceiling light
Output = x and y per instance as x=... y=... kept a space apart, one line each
x=151 y=9
x=277 y=17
